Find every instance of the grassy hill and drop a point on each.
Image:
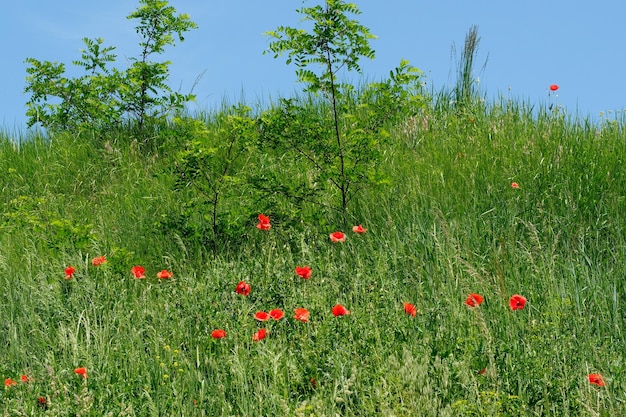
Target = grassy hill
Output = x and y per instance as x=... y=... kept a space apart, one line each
x=495 y=200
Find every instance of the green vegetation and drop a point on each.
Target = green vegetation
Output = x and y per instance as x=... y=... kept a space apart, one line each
x=488 y=198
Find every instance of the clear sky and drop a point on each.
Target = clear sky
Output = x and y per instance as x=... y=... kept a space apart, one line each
x=530 y=44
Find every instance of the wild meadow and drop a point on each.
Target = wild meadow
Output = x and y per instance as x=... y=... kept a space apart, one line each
x=493 y=202
x=353 y=251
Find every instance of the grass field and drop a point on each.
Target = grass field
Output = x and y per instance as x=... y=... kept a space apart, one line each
x=496 y=200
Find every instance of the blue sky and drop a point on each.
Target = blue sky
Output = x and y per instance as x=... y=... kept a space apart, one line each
x=578 y=45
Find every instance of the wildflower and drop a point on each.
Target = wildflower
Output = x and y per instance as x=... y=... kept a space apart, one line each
x=99 y=260
x=260 y=335
x=474 y=300
x=42 y=402
x=410 y=309
x=554 y=87
x=301 y=314
x=337 y=237
x=9 y=382
x=514 y=185
x=261 y=316
x=138 y=271
x=25 y=378
x=69 y=272
x=218 y=334
x=517 y=302
x=277 y=314
x=482 y=371
x=304 y=271
x=340 y=310
x=596 y=379
x=243 y=288
x=264 y=222
x=359 y=229
x=164 y=274
x=81 y=371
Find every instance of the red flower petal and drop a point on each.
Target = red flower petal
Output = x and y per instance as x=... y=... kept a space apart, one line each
x=99 y=260
x=554 y=87
x=410 y=309
x=81 y=371
x=260 y=335
x=359 y=229
x=517 y=302
x=337 y=237
x=277 y=314
x=304 y=271
x=164 y=274
x=301 y=314
x=138 y=271
x=69 y=272
x=596 y=379
x=474 y=300
x=218 y=334
x=262 y=316
x=243 y=288
x=340 y=310
x=514 y=185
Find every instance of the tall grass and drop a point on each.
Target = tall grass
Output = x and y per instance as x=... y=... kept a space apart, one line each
x=447 y=224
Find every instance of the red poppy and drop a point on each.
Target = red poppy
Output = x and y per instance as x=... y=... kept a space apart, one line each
x=277 y=314
x=260 y=335
x=482 y=371
x=337 y=237
x=264 y=222
x=304 y=271
x=69 y=272
x=596 y=379
x=164 y=274
x=517 y=302
x=243 y=288
x=474 y=300
x=410 y=309
x=42 y=402
x=340 y=310
x=261 y=316
x=9 y=382
x=24 y=378
x=301 y=314
x=99 y=260
x=514 y=185
x=359 y=229
x=138 y=271
x=81 y=371
x=218 y=334
x=554 y=87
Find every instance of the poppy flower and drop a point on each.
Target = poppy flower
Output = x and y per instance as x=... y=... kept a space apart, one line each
x=301 y=314
x=340 y=310
x=138 y=271
x=42 y=402
x=261 y=316
x=260 y=335
x=99 y=260
x=596 y=379
x=474 y=300
x=9 y=382
x=277 y=314
x=554 y=87
x=514 y=185
x=81 y=371
x=218 y=334
x=24 y=378
x=359 y=229
x=517 y=302
x=337 y=237
x=410 y=309
x=264 y=222
x=243 y=288
x=304 y=271
x=69 y=272
x=164 y=274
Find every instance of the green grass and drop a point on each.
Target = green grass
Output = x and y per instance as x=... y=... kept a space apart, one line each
x=448 y=223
